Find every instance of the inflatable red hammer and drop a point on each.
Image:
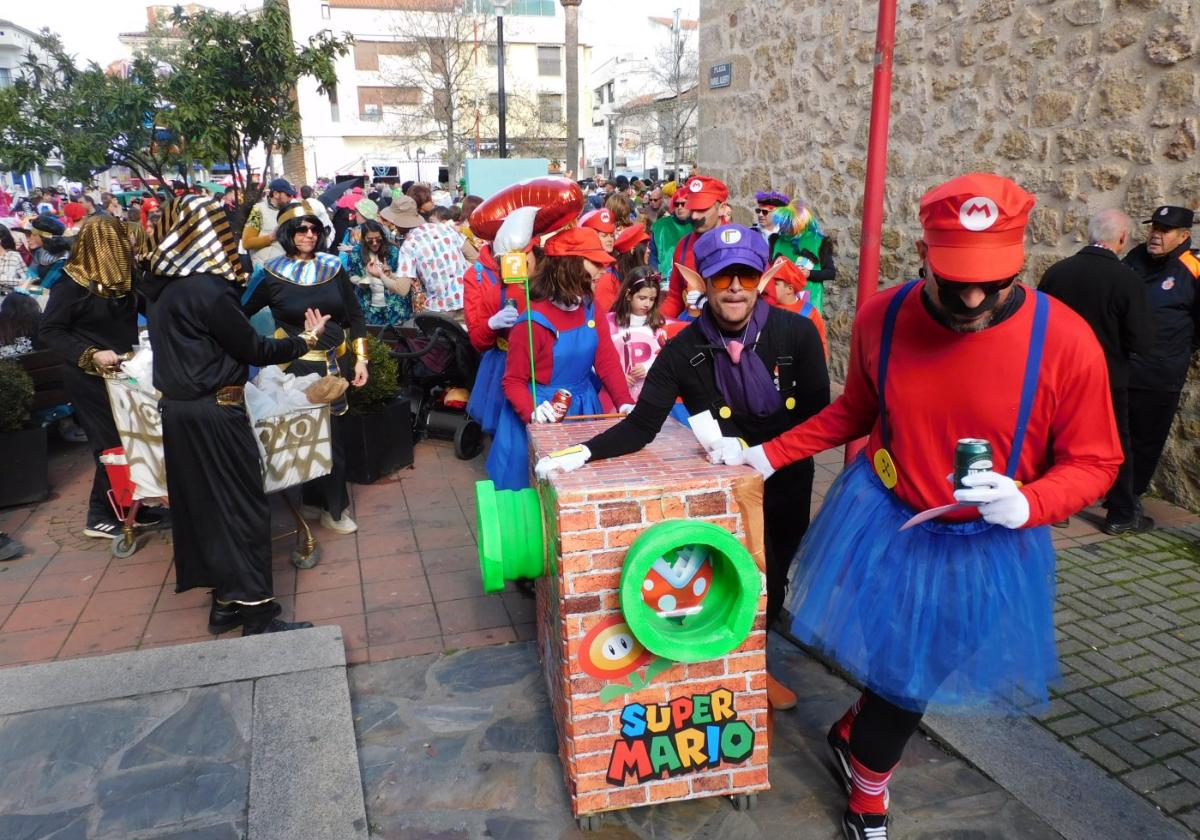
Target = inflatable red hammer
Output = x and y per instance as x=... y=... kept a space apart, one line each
x=560 y=200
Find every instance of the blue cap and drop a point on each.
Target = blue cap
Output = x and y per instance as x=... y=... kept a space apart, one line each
x=730 y=245
x=46 y=225
x=281 y=185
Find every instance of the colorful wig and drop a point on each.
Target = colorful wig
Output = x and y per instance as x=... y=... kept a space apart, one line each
x=796 y=219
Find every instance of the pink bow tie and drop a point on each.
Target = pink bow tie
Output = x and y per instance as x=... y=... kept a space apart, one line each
x=735 y=349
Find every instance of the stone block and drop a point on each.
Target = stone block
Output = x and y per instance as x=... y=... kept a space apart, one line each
x=1168 y=45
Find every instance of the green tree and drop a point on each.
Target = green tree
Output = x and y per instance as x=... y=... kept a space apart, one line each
x=233 y=81
x=86 y=117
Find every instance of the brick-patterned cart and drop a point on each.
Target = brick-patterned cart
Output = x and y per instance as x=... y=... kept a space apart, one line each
x=638 y=725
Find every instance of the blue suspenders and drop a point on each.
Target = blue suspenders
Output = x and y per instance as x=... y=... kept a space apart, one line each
x=1033 y=366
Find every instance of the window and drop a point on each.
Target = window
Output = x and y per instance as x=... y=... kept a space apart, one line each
x=609 y=86
x=372 y=100
x=493 y=103
x=597 y=97
x=549 y=61
x=5 y=77
x=324 y=11
x=335 y=112
x=550 y=107
x=368 y=53
x=493 y=52
x=517 y=8
x=371 y=111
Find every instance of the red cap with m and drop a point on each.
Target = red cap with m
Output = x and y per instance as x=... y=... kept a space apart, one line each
x=975 y=228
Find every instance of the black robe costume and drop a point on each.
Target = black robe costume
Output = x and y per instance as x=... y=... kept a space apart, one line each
x=78 y=321
x=220 y=522
x=289 y=287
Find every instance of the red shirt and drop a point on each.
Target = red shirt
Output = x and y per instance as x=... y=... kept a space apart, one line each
x=605 y=291
x=481 y=300
x=943 y=385
x=516 y=372
x=685 y=252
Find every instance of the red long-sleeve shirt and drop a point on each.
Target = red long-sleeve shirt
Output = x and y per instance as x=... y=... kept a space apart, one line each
x=516 y=371
x=943 y=385
x=685 y=253
x=481 y=300
x=605 y=291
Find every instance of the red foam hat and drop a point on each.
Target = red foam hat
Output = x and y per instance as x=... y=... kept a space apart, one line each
x=790 y=273
x=703 y=192
x=578 y=242
x=630 y=238
x=599 y=220
x=975 y=228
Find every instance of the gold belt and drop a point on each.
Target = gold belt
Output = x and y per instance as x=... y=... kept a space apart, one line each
x=319 y=355
x=231 y=395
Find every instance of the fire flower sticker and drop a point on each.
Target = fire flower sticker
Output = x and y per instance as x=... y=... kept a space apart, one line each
x=609 y=652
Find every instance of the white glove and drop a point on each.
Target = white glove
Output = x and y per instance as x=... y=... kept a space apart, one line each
x=1000 y=500
x=733 y=451
x=546 y=413
x=625 y=409
x=567 y=460
x=693 y=299
x=504 y=318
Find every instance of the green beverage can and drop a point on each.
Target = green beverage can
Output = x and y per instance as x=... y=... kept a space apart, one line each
x=971 y=455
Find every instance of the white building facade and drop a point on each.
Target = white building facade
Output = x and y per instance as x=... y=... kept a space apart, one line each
x=372 y=125
x=15 y=43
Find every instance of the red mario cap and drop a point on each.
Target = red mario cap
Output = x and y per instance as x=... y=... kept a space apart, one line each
x=630 y=238
x=703 y=192
x=975 y=228
x=578 y=242
x=599 y=220
x=791 y=274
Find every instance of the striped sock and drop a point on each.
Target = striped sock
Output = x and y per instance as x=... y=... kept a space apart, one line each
x=842 y=727
x=869 y=789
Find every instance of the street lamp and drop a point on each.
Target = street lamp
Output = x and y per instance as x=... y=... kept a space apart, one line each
x=502 y=116
x=420 y=154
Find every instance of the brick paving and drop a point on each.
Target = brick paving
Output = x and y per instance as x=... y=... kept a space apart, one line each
x=408 y=583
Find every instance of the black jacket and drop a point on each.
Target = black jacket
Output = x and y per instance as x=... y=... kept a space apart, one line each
x=1111 y=298
x=1171 y=287
x=684 y=369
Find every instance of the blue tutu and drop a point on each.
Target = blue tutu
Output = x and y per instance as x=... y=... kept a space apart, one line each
x=487 y=395
x=946 y=617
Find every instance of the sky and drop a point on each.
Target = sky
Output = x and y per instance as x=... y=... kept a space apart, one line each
x=90 y=28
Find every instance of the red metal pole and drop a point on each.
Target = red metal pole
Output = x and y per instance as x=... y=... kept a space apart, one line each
x=877 y=145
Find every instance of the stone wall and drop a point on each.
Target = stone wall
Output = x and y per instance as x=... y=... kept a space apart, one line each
x=1086 y=103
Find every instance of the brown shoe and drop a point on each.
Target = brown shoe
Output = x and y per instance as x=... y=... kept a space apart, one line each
x=779 y=695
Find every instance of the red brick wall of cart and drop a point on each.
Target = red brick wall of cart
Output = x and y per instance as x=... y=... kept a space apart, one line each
x=592 y=516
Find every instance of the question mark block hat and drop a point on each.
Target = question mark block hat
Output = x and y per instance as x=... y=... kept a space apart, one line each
x=974 y=226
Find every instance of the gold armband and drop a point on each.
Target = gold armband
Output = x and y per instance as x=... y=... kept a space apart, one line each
x=360 y=350
x=87 y=360
x=310 y=338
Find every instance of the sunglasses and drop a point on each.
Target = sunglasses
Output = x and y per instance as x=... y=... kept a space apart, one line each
x=764 y=211
x=306 y=229
x=373 y=240
x=993 y=288
x=723 y=281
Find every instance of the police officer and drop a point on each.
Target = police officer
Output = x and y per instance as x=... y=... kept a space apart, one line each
x=1171 y=272
x=759 y=369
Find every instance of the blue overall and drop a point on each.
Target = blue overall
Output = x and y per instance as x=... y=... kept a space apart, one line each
x=487 y=397
x=958 y=616
x=574 y=355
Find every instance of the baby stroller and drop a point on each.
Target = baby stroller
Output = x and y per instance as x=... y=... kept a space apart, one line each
x=438 y=365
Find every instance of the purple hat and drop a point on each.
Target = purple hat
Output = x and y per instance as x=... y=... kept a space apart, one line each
x=730 y=245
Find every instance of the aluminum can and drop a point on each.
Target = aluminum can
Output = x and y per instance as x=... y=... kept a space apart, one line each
x=971 y=455
x=561 y=402
x=510 y=303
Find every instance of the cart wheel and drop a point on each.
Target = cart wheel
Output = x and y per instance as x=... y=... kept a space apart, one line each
x=468 y=440
x=302 y=561
x=124 y=546
x=589 y=822
x=743 y=801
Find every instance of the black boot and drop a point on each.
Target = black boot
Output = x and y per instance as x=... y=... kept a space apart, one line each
x=264 y=618
x=223 y=617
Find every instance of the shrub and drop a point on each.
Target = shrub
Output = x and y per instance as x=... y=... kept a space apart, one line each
x=16 y=396
x=383 y=383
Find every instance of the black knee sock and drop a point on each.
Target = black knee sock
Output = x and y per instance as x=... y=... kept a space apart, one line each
x=880 y=732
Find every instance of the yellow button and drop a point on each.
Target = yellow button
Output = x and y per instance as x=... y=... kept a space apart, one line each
x=726 y=412
x=592 y=324
x=885 y=468
x=790 y=402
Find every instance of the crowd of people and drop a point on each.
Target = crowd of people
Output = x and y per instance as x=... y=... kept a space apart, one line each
x=653 y=304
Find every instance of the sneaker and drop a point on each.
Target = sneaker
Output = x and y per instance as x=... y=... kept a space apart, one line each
x=149 y=517
x=105 y=529
x=10 y=549
x=311 y=511
x=839 y=748
x=1065 y=523
x=864 y=826
x=345 y=525
x=779 y=695
x=1137 y=525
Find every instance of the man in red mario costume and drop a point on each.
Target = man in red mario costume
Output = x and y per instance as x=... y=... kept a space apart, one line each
x=955 y=613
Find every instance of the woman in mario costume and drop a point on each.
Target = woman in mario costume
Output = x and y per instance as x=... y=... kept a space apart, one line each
x=570 y=340
x=957 y=612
